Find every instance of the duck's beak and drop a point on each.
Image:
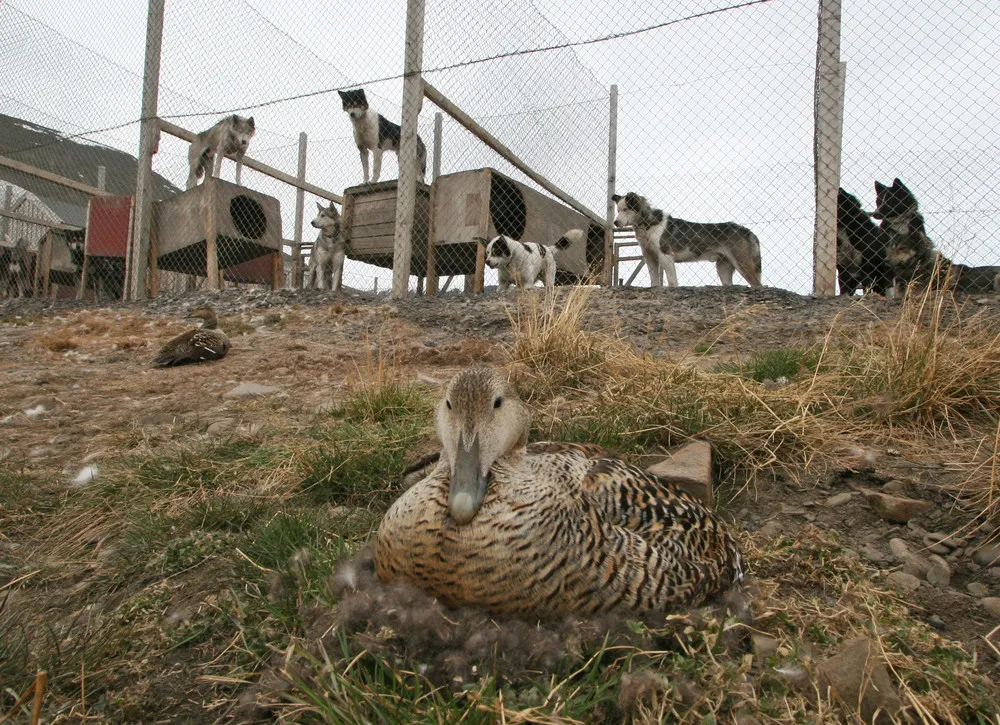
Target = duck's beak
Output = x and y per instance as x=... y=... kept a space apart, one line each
x=468 y=485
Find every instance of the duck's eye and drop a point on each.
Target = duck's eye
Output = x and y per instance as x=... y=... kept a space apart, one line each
x=498 y=402
x=448 y=404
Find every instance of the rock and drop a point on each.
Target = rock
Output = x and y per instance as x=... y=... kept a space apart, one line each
x=977 y=589
x=327 y=405
x=247 y=390
x=857 y=678
x=939 y=549
x=839 y=500
x=916 y=565
x=771 y=529
x=896 y=509
x=763 y=646
x=994 y=573
x=158 y=419
x=899 y=548
x=872 y=554
x=894 y=487
x=690 y=467
x=992 y=606
x=936 y=622
x=935 y=538
x=939 y=573
x=221 y=426
x=987 y=556
x=905 y=581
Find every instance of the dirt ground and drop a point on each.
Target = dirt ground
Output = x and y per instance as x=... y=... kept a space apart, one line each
x=75 y=381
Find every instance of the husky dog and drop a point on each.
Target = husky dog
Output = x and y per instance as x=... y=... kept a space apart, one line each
x=861 y=249
x=327 y=259
x=17 y=269
x=523 y=263
x=911 y=254
x=374 y=132
x=230 y=136
x=665 y=240
x=105 y=275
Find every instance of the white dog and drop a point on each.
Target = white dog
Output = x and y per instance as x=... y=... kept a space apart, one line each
x=327 y=259
x=230 y=136
x=523 y=263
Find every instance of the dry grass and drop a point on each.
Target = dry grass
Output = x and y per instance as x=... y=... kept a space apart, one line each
x=932 y=374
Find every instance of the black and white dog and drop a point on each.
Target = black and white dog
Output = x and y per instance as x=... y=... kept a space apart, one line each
x=230 y=136
x=523 y=263
x=374 y=132
x=17 y=269
x=665 y=240
x=327 y=259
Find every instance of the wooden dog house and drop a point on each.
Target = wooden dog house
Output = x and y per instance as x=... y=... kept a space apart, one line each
x=457 y=213
x=215 y=230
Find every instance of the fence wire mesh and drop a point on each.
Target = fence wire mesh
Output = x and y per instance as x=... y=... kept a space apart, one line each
x=714 y=125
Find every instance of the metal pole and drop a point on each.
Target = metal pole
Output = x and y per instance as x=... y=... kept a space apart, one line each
x=432 y=277
x=609 y=230
x=413 y=95
x=300 y=200
x=149 y=136
x=829 y=119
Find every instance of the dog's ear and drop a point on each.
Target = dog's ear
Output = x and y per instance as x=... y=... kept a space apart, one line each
x=897 y=184
x=615 y=198
x=880 y=188
x=251 y=124
x=320 y=207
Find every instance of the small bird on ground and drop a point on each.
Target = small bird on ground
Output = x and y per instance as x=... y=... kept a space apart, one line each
x=207 y=342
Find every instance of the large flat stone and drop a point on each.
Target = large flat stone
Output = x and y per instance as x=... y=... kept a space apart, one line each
x=857 y=679
x=690 y=467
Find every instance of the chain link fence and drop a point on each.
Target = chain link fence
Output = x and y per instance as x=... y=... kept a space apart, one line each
x=699 y=115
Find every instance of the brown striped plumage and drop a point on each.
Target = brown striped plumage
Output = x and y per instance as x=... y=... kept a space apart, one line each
x=205 y=343
x=560 y=527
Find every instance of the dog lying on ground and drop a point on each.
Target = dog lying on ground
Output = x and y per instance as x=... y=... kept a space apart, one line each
x=861 y=249
x=665 y=240
x=230 y=136
x=374 y=132
x=327 y=259
x=911 y=254
x=523 y=263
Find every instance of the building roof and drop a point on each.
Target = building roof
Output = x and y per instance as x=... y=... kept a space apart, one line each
x=50 y=150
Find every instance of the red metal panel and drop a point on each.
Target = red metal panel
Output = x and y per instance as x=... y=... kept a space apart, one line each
x=108 y=226
x=253 y=270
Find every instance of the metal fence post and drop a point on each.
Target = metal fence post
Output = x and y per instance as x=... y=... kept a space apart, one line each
x=149 y=133
x=829 y=119
x=609 y=230
x=413 y=96
x=300 y=200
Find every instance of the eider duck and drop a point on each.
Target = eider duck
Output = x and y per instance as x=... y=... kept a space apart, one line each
x=207 y=342
x=546 y=529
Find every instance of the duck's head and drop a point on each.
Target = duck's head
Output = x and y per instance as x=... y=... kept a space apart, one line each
x=206 y=315
x=479 y=420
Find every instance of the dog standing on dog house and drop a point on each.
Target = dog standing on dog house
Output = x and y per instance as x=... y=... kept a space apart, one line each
x=374 y=132
x=230 y=136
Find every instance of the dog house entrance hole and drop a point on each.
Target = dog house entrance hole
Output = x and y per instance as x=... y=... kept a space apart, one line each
x=248 y=216
x=507 y=207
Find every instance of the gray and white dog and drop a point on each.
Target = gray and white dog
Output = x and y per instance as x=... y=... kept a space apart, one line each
x=230 y=136
x=523 y=263
x=327 y=259
x=665 y=240
x=374 y=132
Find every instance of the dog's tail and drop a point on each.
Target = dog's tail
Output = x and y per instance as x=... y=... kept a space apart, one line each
x=755 y=252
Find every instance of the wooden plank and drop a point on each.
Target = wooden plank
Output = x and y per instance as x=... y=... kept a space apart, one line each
x=35 y=220
x=212 y=270
x=439 y=99
x=250 y=163
x=431 y=272
x=609 y=230
x=49 y=176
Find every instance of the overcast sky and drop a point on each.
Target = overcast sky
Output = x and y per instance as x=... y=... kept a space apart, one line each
x=715 y=116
